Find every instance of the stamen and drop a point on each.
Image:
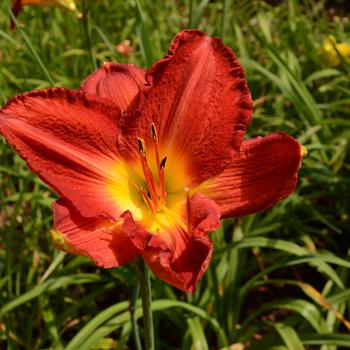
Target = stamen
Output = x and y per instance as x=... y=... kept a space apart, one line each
x=155 y=142
x=161 y=180
x=162 y=163
x=188 y=207
x=151 y=184
x=156 y=189
x=141 y=146
x=154 y=132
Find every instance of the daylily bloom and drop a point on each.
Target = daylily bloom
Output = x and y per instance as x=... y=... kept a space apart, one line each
x=67 y=4
x=147 y=162
x=333 y=50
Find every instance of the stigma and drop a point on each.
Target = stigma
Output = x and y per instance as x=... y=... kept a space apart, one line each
x=155 y=193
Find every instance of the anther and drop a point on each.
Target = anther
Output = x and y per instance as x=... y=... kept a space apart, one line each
x=161 y=180
x=154 y=132
x=141 y=146
x=162 y=163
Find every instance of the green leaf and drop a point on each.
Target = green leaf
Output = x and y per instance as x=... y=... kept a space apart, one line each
x=323 y=339
x=306 y=309
x=289 y=336
x=114 y=317
x=49 y=286
x=197 y=333
x=288 y=247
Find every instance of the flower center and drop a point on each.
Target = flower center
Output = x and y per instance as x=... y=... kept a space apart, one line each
x=153 y=188
x=155 y=196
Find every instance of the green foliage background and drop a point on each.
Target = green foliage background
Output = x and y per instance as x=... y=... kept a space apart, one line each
x=278 y=279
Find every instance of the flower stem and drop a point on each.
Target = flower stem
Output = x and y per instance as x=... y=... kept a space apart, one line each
x=146 y=297
x=135 y=329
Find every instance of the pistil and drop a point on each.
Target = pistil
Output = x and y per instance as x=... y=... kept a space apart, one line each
x=147 y=199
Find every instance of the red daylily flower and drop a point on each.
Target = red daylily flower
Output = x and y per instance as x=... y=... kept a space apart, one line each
x=17 y=6
x=146 y=163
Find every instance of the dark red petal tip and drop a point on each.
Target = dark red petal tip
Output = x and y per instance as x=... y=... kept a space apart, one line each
x=199 y=101
x=263 y=173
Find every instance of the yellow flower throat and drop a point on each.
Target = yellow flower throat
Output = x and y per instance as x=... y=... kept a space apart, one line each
x=154 y=188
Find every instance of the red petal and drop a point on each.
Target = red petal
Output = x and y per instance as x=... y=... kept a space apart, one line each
x=199 y=102
x=120 y=83
x=69 y=141
x=103 y=241
x=178 y=257
x=263 y=173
